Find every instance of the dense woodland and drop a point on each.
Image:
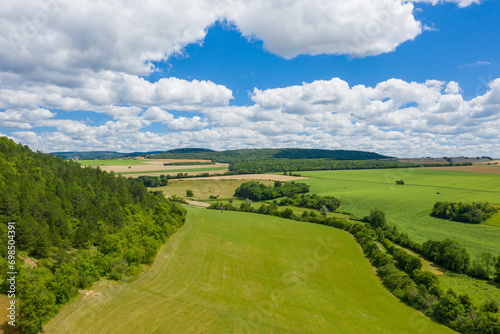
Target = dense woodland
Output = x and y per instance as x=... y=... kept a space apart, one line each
x=78 y=224
x=474 y=213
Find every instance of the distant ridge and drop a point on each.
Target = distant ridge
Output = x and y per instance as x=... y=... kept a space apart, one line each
x=189 y=150
x=230 y=155
x=94 y=155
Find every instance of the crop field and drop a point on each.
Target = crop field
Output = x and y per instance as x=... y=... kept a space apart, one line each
x=180 y=169
x=204 y=188
x=245 y=273
x=152 y=167
x=408 y=206
x=111 y=162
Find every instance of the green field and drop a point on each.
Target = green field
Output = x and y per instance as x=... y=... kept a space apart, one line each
x=245 y=273
x=408 y=206
x=112 y=162
x=479 y=291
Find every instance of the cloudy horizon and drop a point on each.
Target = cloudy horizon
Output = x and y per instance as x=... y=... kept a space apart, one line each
x=400 y=78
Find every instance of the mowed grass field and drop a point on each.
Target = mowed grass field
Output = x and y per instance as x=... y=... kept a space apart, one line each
x=408 y=206
x=245 y=273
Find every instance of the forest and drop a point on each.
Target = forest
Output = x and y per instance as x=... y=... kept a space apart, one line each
x=77 y=225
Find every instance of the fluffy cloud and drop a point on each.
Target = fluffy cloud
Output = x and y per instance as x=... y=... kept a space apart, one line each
x=109 y=89
x=24 y=118
x=61 y=56
x=65 y=42
x=394 y=117
x=357 y=27
x=460 y=3
x=60 y=37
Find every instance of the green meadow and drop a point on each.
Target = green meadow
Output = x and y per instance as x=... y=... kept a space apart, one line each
x=408 y=206
x=479 y=291
x=111 y=162
x=246 y=273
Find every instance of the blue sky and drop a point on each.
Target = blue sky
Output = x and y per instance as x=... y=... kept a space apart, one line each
x=395 y=77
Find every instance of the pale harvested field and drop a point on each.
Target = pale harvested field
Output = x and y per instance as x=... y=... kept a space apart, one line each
x=491 y=162
x=474 y=160
x=472 y=169
x=144 y=173
x=266 y=177
x=172 y=160
x=156 y=165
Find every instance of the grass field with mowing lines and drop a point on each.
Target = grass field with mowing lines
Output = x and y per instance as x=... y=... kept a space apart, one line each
x=245 y=273
x=113 y=162
x=408 y=206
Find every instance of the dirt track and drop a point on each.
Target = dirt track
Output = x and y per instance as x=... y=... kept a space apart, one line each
x=198 y=203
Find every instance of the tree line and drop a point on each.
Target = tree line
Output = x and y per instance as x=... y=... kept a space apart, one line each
x=79 y=224
x=474 y=213
x=289 y=165
x=312 y=201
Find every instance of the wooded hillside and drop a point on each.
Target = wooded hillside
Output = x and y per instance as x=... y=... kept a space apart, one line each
x=79 y=223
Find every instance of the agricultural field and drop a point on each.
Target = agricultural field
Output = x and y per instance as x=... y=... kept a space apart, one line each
x=111 y=162
x=180 y=169
x=234 y=273
x=408 y=206
x=153 y=167
x=204 y=188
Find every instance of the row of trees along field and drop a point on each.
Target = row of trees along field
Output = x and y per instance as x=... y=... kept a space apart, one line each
x=312 y=201
x=447 y=253
x=400 y=272
x=77 y=224
x=289 y=165
x=474 y=213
